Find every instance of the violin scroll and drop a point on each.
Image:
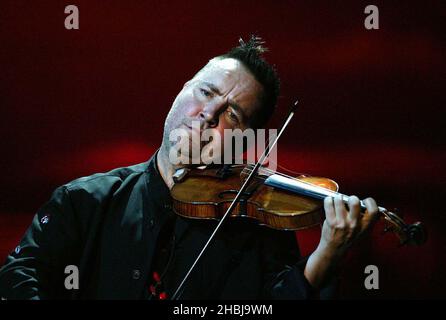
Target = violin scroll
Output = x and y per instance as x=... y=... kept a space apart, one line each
x=409 y=234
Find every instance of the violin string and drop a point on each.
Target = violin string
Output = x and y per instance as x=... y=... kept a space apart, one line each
x=293 y=178
x=280 y=173
x=264 y=169
x=271 y=172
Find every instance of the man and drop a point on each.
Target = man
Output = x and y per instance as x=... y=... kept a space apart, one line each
x=119 y=230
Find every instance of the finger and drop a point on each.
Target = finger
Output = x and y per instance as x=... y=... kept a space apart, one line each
x=341 y=212
x=330 y=212
x=371 y=214
x=354 y=211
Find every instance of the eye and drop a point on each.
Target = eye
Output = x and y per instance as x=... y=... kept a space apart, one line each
x=205 y=92
x=232 y=116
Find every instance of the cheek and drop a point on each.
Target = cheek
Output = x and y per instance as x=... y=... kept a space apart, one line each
x=223 y=123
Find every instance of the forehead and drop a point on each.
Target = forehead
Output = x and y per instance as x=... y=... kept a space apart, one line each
x=228 y=71
x=232 y=78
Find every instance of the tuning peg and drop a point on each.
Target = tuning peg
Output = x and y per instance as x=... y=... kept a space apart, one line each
x=397 y=212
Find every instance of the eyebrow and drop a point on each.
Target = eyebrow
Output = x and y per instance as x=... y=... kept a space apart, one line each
x=234 y=105
x=212 y=87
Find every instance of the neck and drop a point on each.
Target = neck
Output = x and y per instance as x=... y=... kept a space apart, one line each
x=165 y=168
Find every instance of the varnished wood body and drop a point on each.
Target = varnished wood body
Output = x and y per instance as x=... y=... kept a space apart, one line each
x=206 y=196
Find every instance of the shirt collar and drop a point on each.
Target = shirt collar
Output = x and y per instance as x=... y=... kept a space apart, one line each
x=156 y=185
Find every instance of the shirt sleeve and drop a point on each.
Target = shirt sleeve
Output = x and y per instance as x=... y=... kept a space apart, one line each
x=285 y=277
x=36 y=267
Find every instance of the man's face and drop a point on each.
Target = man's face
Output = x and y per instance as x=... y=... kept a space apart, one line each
x=223 y=95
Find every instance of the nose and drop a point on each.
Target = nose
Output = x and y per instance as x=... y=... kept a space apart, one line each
x=209 y=115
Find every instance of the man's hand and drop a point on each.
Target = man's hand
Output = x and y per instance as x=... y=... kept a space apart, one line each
x=341 y=228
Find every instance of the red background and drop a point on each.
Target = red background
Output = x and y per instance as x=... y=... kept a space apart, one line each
x=75 y=102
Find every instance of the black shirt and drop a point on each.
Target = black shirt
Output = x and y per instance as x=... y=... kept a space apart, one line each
x=110 y=225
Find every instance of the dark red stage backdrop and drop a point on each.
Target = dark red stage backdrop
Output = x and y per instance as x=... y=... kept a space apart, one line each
x=372 y=117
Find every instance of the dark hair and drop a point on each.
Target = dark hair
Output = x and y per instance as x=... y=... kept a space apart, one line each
x=250 y=55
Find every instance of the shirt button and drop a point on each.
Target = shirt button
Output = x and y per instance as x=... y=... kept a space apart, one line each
x=17 y=249
x=45 y=219
x=167 y=206
x=151 y=223
x=136 y=274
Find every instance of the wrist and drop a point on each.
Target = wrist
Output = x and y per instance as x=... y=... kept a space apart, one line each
x=322 y=264
x=329 y=252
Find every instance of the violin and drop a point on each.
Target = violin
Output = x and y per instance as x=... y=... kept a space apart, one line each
x=272 y=199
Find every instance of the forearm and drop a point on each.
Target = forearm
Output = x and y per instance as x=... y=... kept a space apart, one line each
x=321 y=264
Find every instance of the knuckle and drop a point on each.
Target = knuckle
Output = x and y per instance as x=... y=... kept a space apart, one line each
x=331 y=225
x=341 y=226
x=370 y=201
x=371 y=205
x=353 y=199
x=331 y=222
